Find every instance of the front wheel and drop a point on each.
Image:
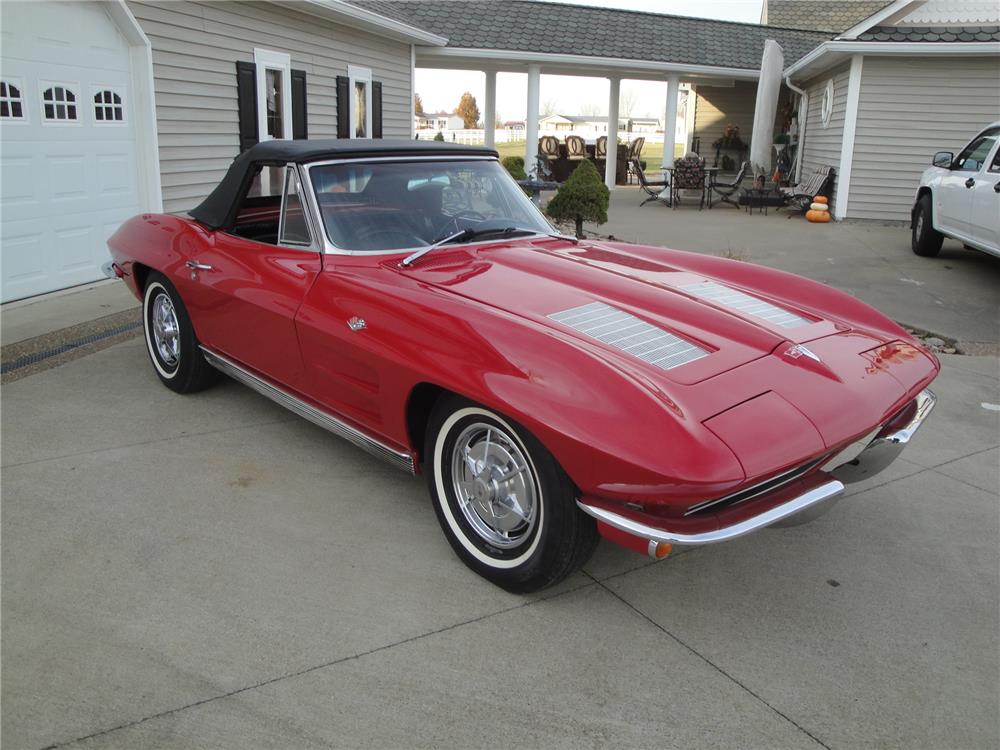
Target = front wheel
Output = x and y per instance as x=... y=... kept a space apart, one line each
x=170 y=340
x=504 y=503
x=926 y=240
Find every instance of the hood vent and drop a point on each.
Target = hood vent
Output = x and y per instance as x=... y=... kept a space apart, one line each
x=743 y=303
x=629 y=334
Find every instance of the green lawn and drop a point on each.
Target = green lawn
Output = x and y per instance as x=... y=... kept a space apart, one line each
x=652 y=153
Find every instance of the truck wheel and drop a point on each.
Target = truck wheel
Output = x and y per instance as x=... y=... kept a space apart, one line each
x=926 y=239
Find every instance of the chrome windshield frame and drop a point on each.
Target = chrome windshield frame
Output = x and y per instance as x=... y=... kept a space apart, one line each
x=329 y=248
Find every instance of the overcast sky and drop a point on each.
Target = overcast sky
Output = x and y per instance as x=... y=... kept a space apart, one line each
x=440 y=90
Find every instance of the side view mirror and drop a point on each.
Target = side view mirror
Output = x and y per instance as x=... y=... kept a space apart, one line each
x=943 y=159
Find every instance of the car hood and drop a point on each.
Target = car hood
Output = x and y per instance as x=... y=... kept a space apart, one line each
x=568 y=288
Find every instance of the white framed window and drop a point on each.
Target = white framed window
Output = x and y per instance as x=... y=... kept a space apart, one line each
x=109 y=105
x=826 y=104
x=360 y=108
x=60 y=103
x=12 y=100
x=274 y=94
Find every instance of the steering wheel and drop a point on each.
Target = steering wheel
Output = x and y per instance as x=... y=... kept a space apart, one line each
x=451 y=225
x=380 y=238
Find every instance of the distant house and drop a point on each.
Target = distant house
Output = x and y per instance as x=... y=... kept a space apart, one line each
x=597 y=123
x=439 y=121
x=514 y=125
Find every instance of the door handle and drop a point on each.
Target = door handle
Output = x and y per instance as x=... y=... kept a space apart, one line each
x=196 y=266
x=970 y=182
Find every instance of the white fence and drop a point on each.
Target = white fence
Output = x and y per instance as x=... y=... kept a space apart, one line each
x=474 y=137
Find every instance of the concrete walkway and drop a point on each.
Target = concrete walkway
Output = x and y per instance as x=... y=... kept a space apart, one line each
x=956 y=294
x=212 y=571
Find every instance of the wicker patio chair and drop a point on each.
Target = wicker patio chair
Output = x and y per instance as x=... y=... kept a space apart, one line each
x=601 y=148
x=548 y=152
x=576 y=148
x=727 y=190
x=689 y=174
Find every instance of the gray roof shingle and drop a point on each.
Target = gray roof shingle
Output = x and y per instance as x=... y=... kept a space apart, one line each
x=833 y=16
x=556 y=28
x=931 y=34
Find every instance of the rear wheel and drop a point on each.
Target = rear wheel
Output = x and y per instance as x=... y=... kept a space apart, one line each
x=170 y=340
x=926 y=240
x=505 y=505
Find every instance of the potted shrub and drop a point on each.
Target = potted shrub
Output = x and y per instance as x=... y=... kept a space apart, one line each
x=583 y=197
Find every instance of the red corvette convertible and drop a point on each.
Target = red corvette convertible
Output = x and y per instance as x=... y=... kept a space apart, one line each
x=408 y=297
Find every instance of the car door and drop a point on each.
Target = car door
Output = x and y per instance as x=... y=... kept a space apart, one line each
x=246 y=287
x=984 y=222
x=953 y=196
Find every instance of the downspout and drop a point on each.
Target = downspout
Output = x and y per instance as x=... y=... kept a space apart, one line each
x=803 y=113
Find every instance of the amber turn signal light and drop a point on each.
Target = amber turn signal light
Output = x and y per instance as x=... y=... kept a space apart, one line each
x=659 y=550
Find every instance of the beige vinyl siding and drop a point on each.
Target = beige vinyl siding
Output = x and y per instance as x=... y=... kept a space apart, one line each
x=822 y=145
x=718 y=106
x=195 y=47
x=908 y=108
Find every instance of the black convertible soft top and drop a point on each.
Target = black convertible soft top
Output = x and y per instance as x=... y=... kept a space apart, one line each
x=218 y=209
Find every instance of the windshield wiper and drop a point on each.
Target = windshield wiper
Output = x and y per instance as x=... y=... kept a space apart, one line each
x=469 y=233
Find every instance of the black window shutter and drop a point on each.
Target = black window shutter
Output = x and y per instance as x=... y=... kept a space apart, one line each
x=299 y=128
x=376 y=109
x=343 y=107
x=246 y=103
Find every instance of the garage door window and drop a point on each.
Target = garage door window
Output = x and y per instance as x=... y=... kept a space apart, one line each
x=11 y=103
x=59 y=104
x=108 y=107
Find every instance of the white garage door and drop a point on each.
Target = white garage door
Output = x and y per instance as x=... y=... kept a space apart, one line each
x=68 y=161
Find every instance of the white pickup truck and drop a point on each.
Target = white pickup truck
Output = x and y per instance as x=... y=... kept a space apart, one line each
x=959 y=197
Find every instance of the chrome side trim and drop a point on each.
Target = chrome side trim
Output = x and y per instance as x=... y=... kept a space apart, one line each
x=807 y=500
x=280 y=396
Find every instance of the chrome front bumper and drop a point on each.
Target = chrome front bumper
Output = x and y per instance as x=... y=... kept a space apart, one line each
x=882 y=450
x=860 y=460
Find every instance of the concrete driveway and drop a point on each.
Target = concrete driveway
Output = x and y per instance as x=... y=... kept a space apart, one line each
x=211 y=571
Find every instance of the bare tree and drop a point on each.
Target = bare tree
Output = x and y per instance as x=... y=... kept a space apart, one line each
x=627 y=99
x=550 y=106
x=591 y=108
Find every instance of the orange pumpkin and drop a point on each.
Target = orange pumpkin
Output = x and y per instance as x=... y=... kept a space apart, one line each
x=819 y=217
x=821 y=199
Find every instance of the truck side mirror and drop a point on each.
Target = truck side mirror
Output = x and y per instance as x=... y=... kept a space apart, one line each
x=943 y=159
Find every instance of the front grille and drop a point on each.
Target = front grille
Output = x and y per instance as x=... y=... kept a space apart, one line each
x=744 y=303
x=768 y=485
x=629 y=334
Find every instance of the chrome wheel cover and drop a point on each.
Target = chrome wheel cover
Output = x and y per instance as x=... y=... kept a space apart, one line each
x=918 y=228
x=494 y=485
x=166 y=330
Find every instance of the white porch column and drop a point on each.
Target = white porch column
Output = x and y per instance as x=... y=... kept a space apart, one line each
x=531 y=119
x=490 y=111
x=611 y=165
x=670 y=120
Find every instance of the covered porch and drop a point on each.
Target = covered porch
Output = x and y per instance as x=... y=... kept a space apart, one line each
x=614 y=70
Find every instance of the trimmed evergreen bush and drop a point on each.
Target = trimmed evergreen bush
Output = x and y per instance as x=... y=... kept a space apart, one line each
x=515 y=165
x=583 y=197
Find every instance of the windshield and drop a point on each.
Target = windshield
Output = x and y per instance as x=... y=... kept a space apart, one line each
x=379 y=206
